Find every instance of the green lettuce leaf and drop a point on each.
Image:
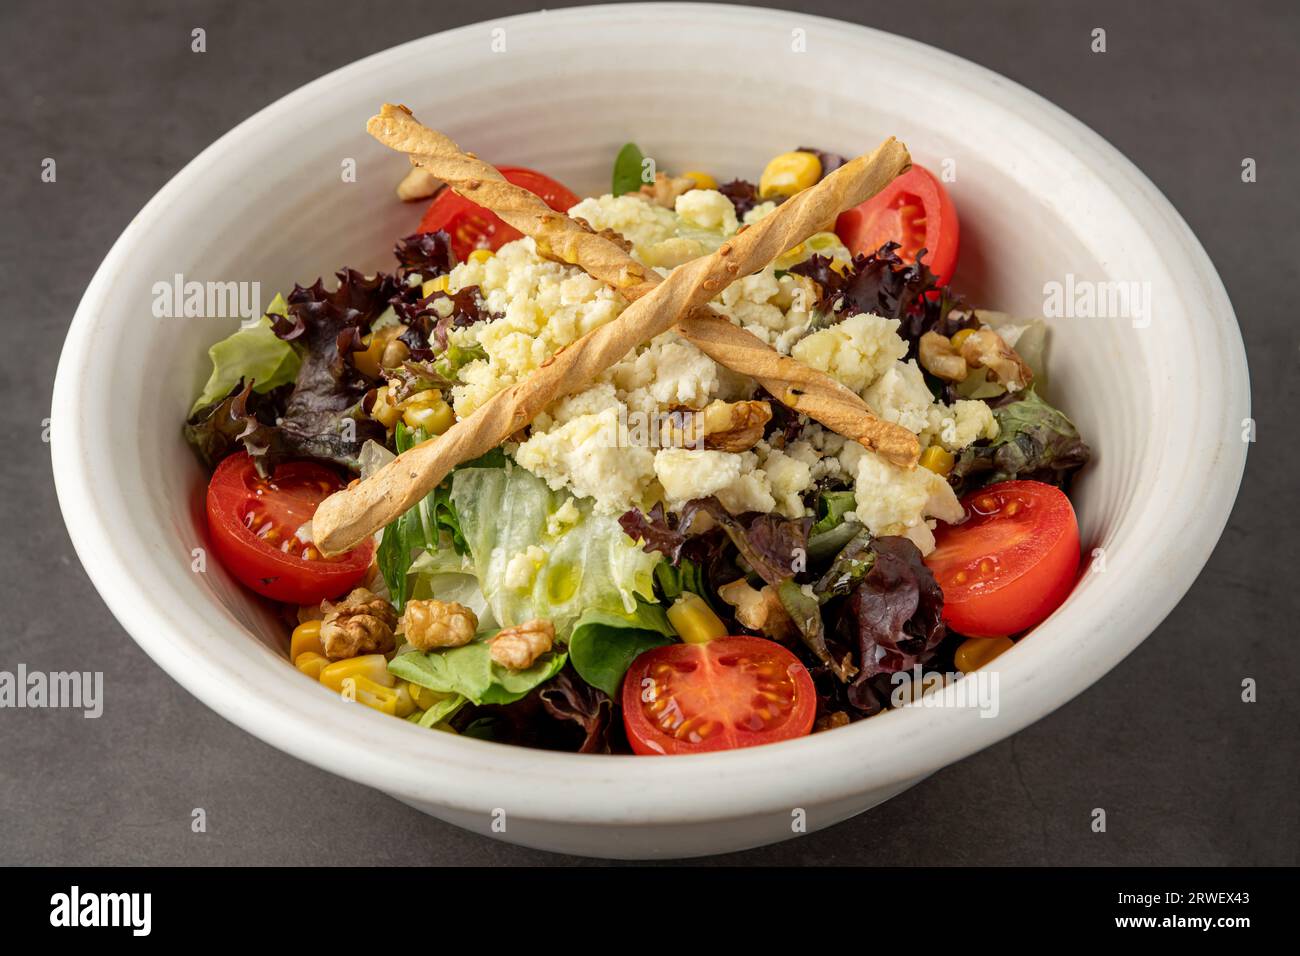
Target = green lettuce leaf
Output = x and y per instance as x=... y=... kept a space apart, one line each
x=603 y=645
x=431 y=526
x=590 y=565
x=254 y=353
x=471 y=672
x=442 y=711
x=1036 y=442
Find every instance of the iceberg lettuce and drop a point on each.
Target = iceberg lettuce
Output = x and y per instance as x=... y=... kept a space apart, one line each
x=590 y=565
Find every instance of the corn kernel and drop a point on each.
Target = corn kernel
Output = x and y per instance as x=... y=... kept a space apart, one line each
x=435 y=418
x=938 y=459
x=701 y=180
x=961 y=337
x=384 y=411
x=306 y=637
x=789 y=173
x=976 y=652
x=394 y=701
x=373 y=667
x=694 y=620
x=368 y=360
x=434 y=285
x=480 y=255
x=424 y=697
x=791 y=257
x=420 y=399
x=311 y=663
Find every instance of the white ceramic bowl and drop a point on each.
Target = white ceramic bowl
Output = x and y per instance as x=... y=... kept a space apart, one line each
x=712 y=87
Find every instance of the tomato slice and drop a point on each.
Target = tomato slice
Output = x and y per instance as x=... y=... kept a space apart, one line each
x=728 y=693
x=1011 y=562
x=254 y=522
x=471 y=227
x=914 y=211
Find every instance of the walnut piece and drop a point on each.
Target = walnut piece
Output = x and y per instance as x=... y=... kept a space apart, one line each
x=418 y=184
x=362 y=623
x=519 y=647
x=939 y=358
x=666 y=189
x=986 y=349
x=433 y=624
x=724 y=426
x=760 y=610
x=735 y=426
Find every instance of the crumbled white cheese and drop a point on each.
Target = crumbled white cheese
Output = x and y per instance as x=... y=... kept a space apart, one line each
x=564 y=518
x=688 y=473
x=967 y=421
x=707 y=209
x=588 y=456
x=893 y=500
x=522 y=568
x=659 y=237
x=901 y=396
x=789 y=475
x=544 y=306
x=856 y=351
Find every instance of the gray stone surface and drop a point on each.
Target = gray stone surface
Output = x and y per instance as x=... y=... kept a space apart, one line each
x=1187 y=773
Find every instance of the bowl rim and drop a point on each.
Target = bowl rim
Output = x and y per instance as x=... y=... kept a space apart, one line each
x=893 y=748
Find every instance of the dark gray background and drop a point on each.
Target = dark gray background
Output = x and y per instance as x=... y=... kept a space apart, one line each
x=1188 y=773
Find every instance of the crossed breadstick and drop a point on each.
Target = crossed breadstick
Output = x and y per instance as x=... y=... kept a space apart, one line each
x=348 y=517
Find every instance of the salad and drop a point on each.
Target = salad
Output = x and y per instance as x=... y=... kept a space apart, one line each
x=668 y=481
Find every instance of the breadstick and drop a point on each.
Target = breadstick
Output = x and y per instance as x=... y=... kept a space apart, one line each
x=791 y=382
x=349 y=516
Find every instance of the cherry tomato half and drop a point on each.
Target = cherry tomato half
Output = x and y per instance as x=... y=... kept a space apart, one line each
x=471 y=227
x=914 y=211
x=727 y=693
x=254 y=522
x=1011 y=562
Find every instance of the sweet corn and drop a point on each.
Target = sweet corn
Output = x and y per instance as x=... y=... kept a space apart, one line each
x=938 y=459
x=424 y=697
x=373 y=667
x=694 y=620
x=369 y=360
x=961 y=337
x=435 y=417
x=434 y=285
x=701 y=180
x=311 y=663
x=395 y=701
x=384 y=411
x=789 y=173
x=480 y=255
x=976 y=652
x=306 y=637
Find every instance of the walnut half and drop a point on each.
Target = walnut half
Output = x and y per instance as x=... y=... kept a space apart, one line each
x=940 y=359
x=724 y=426
x=362 y=623
x=987 y=349
x=760 y=610
x=433 y=624
x=666 y=189
x=519 y=647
